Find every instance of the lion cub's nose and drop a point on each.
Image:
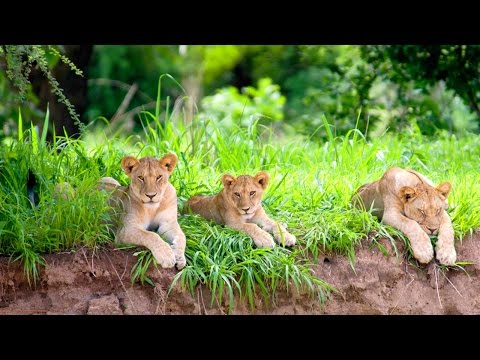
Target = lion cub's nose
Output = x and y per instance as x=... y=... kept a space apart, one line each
x=151 y=196
x=246 y=209
x=432 y=230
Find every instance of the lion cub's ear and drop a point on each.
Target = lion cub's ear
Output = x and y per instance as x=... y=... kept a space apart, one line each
x=262 y=178
x=228 y=180
x=169 y=162
x=128 y=163
x=407 y=193
x=444 y=189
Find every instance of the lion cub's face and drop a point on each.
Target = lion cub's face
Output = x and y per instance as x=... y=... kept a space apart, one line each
x=425 y=205
x=245 y=192
x=149 y=176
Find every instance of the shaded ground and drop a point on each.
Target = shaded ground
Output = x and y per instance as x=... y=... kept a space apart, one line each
x=83 y=283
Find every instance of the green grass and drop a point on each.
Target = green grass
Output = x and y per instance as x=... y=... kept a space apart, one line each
x=227 y=261
x=54 y=224
x=310 y=190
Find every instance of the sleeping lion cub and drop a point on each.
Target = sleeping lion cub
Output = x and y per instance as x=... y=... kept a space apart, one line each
x=239 y=206
x=408 y=201
x=148 y=208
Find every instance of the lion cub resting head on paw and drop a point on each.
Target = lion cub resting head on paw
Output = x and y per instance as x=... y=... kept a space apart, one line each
x=408 y=201
x=239 y=206
x=148 y=208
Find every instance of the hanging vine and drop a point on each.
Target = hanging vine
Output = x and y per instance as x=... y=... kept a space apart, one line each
x=19 y=61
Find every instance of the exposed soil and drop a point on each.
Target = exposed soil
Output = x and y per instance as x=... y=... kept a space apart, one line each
x=81 y=282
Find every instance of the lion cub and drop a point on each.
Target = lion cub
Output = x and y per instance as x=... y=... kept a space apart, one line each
x=408 y=201
x=148 y=208
x=239 y=206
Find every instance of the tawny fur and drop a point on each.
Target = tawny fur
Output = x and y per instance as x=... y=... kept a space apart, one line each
x=147 y=208
x=239 y=206
x=64 y=191
x=408 y=201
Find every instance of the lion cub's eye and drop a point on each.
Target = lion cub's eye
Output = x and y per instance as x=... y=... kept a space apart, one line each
x=140 y=178
x=237 y=194
x=159 y=177
x=438 y=210
x=422 y=212
x=252 y=193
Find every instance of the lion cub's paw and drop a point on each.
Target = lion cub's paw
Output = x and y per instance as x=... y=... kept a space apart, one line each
x=181 y=262
x=263 y=240
x=423 y=251
x=288 y=239
x=164 y=256
x=446 y=255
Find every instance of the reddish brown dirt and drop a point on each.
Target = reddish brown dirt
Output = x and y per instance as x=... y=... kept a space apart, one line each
x=84 y=283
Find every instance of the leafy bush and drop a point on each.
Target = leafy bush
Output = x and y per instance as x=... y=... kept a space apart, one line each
x=264 y=103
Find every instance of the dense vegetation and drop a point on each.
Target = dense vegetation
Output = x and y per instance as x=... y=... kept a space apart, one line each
x=434 y=87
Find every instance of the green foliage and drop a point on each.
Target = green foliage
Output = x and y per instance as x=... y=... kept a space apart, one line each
x=19 y=60
x=335 y=82
x=457 y=65
x=228 y=263
x=279 y=62
x=349 y=82
x=217 y=60
x=114 y=69
x=373 y=88
x=428 y=79
x=264 y=103
x=55 y=223
x=65 y=60
x=144 y=260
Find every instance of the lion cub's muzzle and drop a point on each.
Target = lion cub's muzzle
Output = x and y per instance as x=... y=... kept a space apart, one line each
x=246 y=211
x=430 y=231
x=150 y=198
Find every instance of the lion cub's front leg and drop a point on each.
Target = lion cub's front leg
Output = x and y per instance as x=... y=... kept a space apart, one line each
x=171 y=231
x=419 y=240
x=161 y=251
x=445 y=247
x=260 y=237
x=281 y=235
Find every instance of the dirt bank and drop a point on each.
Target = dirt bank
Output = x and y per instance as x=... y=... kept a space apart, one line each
x=81 y=282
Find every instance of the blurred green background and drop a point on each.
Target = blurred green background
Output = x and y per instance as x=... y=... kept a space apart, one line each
x=374 y=88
